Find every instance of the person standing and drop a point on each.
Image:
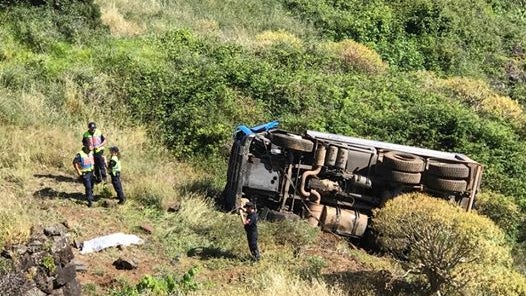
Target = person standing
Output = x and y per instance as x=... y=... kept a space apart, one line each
x=114 y=168
x=94 y=139
x=251 y=228
x=84 y=163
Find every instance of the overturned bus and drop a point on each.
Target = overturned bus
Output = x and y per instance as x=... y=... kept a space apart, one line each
x=336 y=181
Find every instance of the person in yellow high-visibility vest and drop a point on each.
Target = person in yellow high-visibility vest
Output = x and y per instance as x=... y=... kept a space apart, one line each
x=84 y=163
x=95 y=140
x=114 y=168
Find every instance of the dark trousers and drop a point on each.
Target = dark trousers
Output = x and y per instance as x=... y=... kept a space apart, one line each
x=100 y=167
x=87 y=180
x=116 y=182
x=252 y=239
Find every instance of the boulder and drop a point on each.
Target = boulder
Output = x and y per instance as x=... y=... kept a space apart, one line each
x=65 y=275
x=55 y=230
x=124 y=264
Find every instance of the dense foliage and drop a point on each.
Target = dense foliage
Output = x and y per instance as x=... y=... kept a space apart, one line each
x=453 y=37
x=452 y=250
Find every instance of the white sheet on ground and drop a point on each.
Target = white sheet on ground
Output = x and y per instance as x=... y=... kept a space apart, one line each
x=110 y=240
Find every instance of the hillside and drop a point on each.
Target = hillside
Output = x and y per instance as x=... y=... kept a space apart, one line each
x=168 y=81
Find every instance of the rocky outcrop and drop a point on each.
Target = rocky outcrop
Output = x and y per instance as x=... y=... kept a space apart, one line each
x=42 y=266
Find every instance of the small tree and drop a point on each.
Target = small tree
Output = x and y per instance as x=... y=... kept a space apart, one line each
x=440 y=241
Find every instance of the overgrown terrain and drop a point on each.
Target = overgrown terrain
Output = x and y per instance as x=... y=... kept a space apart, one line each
x=167 y=81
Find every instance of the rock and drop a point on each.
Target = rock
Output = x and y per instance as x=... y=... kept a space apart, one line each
x=14 y=251
x=61 y=250
x=72 y=288
x=34 y=292
x=8 y=254
x=147 y=228
x=55 y=230
x=26 y=262
x=58 y=292
x=35 y=246
x=66 y=224
x=80 y=266
x=32 y=260
x=174 y=208
x=13 y=283
x=42 y=281
x=125 y=264
x=65 y=275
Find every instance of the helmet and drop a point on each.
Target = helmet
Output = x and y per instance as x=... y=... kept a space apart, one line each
x=92 y=125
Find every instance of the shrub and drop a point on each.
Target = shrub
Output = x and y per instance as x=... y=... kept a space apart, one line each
x=39 y=24
x=503 y=107
x=165 y=285
x=496 y=280
x=469 y=90
x=358 y=56
x=439 y=240
x=502 y=210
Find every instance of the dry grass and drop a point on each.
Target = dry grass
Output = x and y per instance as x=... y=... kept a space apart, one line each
x=119 y=26
x=235 y=21
x=274 y=281
x=23 y=108
x=268 y=38
x=15 y=220
x=358 y=56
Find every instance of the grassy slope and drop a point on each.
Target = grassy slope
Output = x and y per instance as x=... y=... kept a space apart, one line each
x=41 y=135
x=197 y=235
x=37 y=183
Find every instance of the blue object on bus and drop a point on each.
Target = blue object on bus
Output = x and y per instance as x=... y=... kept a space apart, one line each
x=256 y=129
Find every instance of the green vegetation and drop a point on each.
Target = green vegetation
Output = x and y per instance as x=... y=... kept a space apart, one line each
x=452 y=250
x=49 y=263
x=167 y=285
x=167 y=81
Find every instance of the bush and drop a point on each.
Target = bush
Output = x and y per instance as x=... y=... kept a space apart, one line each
x=440 y=241
x=436 y=35
x=39 y=24
x=165 y=285
x=358 y=56
x=502 y=210
x=496 y=280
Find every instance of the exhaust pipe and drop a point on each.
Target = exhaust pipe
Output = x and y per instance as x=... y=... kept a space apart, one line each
x=315 y=207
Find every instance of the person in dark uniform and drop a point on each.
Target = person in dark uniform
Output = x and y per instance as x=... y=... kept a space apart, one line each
x=95 y=140
x=84 y=164
x=114 y=168
x=251 y=228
